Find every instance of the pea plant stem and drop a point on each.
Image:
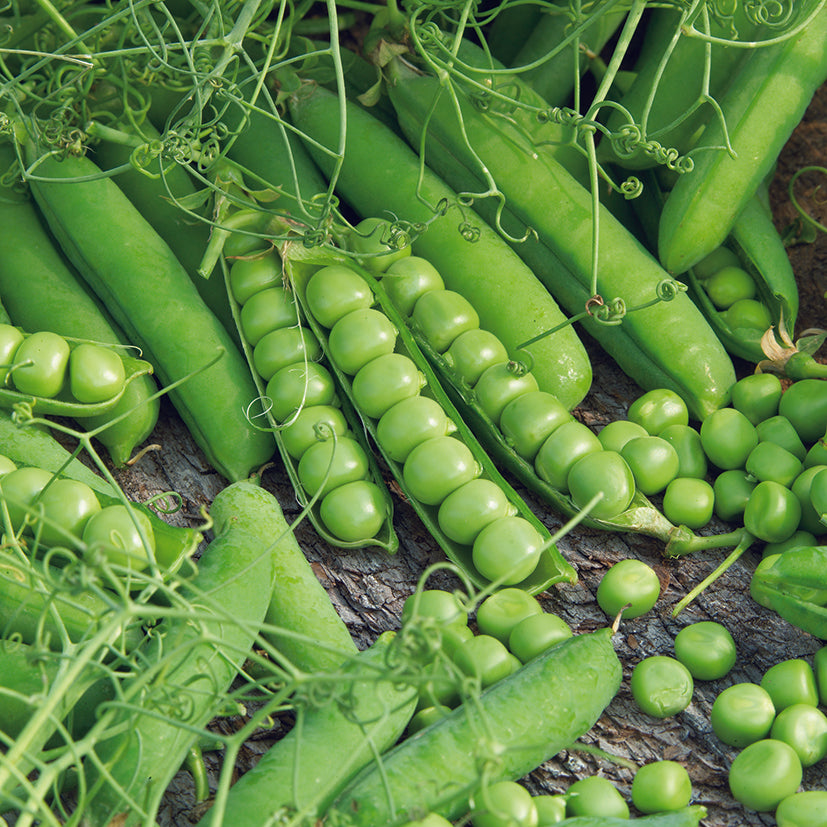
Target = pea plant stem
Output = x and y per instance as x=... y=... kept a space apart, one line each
x=746 y=541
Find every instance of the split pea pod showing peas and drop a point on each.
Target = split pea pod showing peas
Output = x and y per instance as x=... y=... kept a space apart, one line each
x=663 y=341
x=435 y=458
x=41 y=291
x=526 y=430
x=765 y=101
x=63 y=376
x=380 y=174
x=742 y=287
x=536 y=711
x=149 y=294
x=325 y=456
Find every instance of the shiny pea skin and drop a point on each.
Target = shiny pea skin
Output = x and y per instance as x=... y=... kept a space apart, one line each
x=331 y=463
x=657 y=408
x=311 y=424
x=615 y=434
x=501 y=384
x=661 y=686
x=474 y=351
x=442 y=315
x=757 y=396
x=469 y=508
x=561 y=449
x=805 y=808
x=742 y=714
x=334 y=291
x=297 y=386
x=500 y=612
x=359 y=337
x=410 y=421
x=40 y=364
x=437 y=467
x=527 y=421
x=384 y=381
x=406 y=279
x=265 y=311
x=686 y=441
x=284 y=346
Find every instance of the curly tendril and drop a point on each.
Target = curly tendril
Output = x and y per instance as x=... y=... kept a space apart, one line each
x=628 y=141
x=631 y=188
x=612 y=313
x=770 y=13
x=468 y=231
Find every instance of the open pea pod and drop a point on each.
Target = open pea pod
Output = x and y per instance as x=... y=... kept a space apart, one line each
x=386 y=538
x=754 y=246
x=641 y=517
x=29 y=445
x=300 y=264
x=64 y=403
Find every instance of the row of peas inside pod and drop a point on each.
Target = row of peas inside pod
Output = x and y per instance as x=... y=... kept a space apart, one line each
x=49 y=512
x=511 y=629
x=332 y=464
x=778 y=725
x=45 y=364
x=439 y=469
x=533 y=423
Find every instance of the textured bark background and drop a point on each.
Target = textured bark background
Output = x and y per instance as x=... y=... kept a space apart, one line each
x=368 y=588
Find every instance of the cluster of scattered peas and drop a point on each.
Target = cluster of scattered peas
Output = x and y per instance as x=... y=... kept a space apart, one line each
x=779 y=730
x=777 y=725
x=62 y=511
x=765 y=453
x=45 y=364
x=534 y=423
x=513 y=628
x=732 y=290
x=332 y=464
x=438 y=469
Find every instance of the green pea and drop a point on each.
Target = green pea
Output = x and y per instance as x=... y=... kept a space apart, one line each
x=706 y=649
x=757 y=396
x=661 y=686
x=802 y=809
x=499 y=613
x=804 y=728
x=779 y=429
x=742 y=714
x=789 y=682
x=768 y=461
x=687 y=443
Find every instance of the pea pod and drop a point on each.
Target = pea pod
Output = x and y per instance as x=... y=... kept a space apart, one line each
x=150 y=295
x=255 y=328
x=232 y=591
x=539 y=709
x=65 y=402
x=765 y=101
x=663 y=340
x=300 y=775
x=41 y=291
x=640 y=516
x=28 y=445
x=552 y=54
x=755 y=247
x=301 y=265
x=486 y=272
x=782 y=582
x=666 y=98
x=187 y=235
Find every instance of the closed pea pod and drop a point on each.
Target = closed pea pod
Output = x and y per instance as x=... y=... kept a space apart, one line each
x=432 y=773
